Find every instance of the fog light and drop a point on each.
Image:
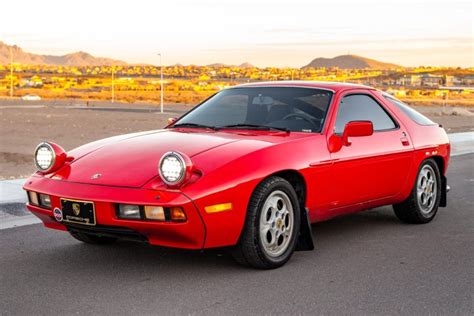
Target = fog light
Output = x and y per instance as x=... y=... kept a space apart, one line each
x=45 y=200
x=177 y=214
x=155 y=212
x=127 y=211
x=33 y=198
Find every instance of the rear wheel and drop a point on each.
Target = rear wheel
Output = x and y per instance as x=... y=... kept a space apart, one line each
x=422 y=204
x=93 y=239
x=271 y=227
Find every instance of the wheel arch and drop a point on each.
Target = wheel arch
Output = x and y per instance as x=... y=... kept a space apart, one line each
x=441 y=164
x=296 y=180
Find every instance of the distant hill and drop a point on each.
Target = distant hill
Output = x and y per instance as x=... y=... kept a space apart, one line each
x=350 y=62
x=246 y=65
x=86 y=59
x=74 y=59
x=216 y=65
x=243 y=65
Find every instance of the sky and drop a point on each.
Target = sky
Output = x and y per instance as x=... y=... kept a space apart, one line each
x=262 y=32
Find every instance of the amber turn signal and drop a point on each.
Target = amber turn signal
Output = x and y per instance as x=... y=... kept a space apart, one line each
x=218 y=208
x=177 y=214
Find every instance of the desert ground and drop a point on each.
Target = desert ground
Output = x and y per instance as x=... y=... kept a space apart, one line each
x=71 y=123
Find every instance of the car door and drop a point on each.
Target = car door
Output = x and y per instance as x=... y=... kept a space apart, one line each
x=371 y=167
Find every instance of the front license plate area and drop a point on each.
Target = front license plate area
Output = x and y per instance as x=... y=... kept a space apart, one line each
x=78 y=212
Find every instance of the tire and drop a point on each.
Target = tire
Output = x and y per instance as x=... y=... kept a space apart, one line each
x=271 y=226
x=422 y=204
x=93 y=239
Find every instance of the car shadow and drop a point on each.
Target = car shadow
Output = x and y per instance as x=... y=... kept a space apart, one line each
x=369 y=222
x=136 y=258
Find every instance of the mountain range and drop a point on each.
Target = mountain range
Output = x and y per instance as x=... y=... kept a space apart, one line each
x=349 y=62
x=73 y=59
x=86 y=59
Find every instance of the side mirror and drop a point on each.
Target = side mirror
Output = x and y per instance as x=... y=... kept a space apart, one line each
x=356 y=129
x=171 y=120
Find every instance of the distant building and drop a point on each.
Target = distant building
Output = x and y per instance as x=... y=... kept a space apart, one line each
x=467 y=81
x=397 y=92
x=409 y=80
x=429 y=80
x=450 y=81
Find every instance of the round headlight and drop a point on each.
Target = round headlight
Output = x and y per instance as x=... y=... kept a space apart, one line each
x=172 y=168
x=44 y=157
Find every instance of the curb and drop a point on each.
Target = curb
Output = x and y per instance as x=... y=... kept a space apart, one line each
x=461 y=143
x=11 y=191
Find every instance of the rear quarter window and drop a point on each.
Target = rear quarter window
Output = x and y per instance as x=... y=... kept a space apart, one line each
x=414 y=115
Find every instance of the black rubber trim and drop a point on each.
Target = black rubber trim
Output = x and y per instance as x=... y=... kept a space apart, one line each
x=305 y=239
x=443 y=202
x=108 y=231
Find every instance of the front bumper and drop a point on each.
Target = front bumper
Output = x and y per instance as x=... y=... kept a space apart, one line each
x=188 y=235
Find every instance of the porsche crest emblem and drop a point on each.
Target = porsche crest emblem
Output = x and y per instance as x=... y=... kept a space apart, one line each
x=76 y=209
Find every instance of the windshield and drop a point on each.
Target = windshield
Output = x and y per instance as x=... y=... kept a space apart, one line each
x=279 y=108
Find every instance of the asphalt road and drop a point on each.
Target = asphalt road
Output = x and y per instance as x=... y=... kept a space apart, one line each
x=368 y=263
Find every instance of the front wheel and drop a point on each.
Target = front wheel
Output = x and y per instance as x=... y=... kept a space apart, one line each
x=272 y=225
x=422 y=204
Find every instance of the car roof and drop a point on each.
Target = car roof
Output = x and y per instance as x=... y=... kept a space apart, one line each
x=328 y=85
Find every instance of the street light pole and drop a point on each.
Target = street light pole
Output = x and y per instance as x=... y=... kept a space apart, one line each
x=11 y=72
x=113 y=85
x=161 y=83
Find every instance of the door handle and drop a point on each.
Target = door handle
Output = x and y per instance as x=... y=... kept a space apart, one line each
x=405 y=141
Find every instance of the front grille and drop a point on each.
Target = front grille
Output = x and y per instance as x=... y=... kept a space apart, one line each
x=108 y=231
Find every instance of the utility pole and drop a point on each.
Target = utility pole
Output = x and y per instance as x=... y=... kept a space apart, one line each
x=161 y=83
x=113 y=85
x=11 y=72
x=445 y=103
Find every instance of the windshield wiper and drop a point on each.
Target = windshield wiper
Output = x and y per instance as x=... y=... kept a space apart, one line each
x=194 y=125
x=254 y=126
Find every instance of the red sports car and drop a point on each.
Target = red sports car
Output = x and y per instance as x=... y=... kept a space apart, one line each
x=249 y=168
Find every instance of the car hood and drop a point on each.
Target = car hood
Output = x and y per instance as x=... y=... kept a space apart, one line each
x=133 y=161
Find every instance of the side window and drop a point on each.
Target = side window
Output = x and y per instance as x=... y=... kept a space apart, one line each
x=411 y=113
x=361 y=107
